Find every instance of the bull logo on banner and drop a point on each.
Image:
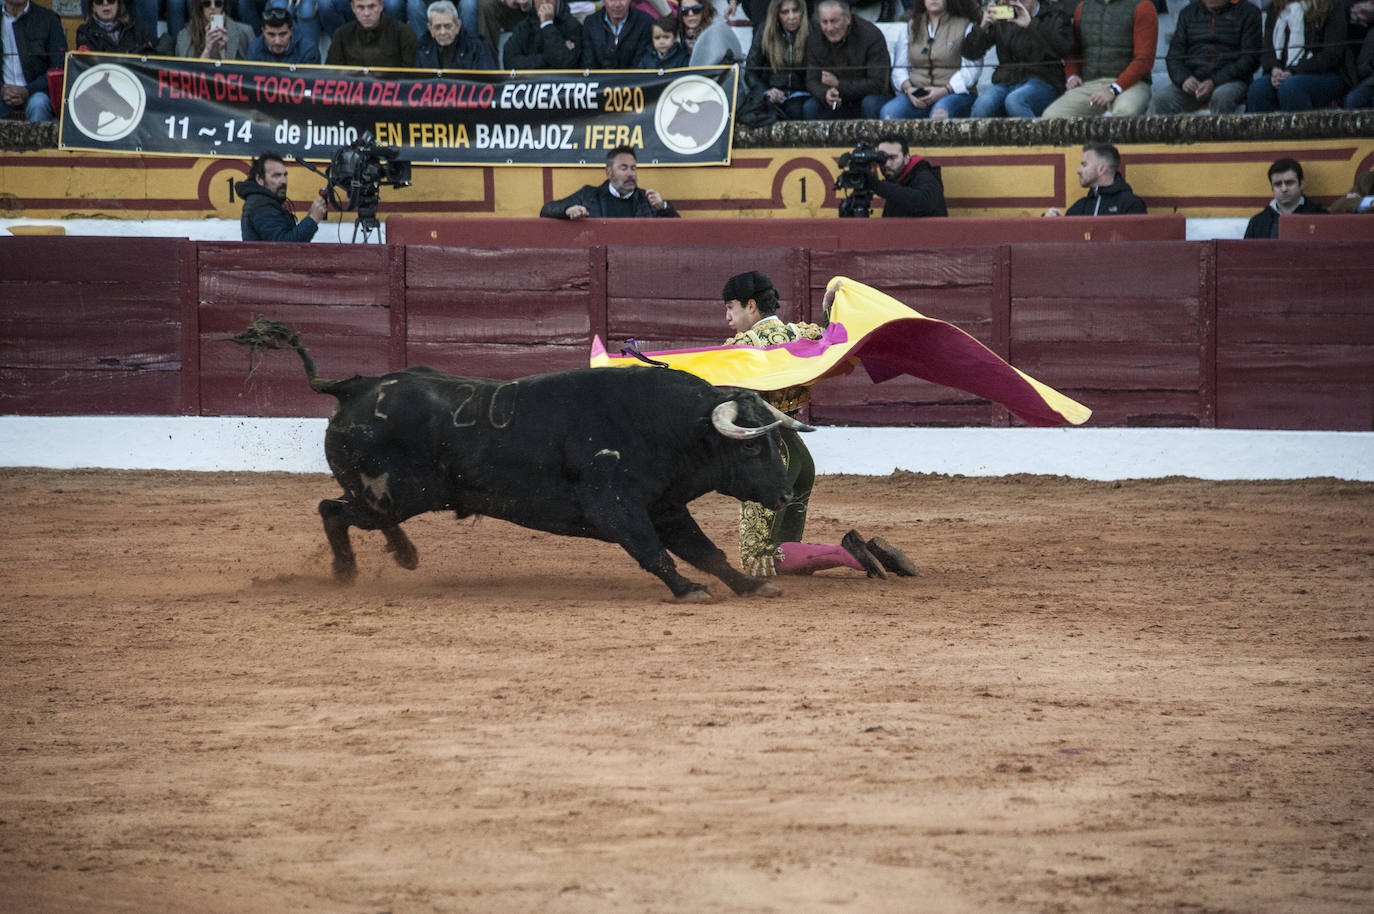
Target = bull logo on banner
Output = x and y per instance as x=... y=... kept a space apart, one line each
x=691 y=114
x=106 y=102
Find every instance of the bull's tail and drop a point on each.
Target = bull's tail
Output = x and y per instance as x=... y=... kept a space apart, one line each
x=265 y=334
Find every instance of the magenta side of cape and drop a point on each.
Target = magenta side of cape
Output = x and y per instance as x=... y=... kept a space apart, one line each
x=943 y=354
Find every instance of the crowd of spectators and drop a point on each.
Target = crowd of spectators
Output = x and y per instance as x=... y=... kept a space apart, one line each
x=808 y=59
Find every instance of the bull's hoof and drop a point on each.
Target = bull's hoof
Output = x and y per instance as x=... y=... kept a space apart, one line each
x=766 y=589
x=406 y=556
x=345 y=574
x=696 y=595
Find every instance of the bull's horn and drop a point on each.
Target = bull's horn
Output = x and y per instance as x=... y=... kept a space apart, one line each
x=782 y=417
x=723 y=418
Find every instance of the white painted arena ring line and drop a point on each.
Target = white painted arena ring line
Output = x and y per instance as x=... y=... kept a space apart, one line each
x=297 y=446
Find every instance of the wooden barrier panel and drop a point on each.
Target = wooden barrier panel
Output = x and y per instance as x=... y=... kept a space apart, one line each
x=1295 y=334
x=92 y=325
x=1125 y=332
x=1302 y=227
x=500 y=313
x=339 y=296
x=817 y=234
x=964 y=286
x=1250 y=334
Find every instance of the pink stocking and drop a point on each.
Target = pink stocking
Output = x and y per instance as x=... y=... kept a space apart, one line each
x=804 y=558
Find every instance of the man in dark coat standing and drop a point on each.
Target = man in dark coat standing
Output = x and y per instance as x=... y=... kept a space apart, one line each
x=265 y=216
x=618 y=197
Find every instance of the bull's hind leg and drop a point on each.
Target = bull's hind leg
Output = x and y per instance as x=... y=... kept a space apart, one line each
x=339 y=514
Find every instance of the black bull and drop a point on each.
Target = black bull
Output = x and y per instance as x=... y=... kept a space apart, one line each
x=612 y=454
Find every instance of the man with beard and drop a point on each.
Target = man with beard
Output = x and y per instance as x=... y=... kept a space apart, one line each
x=911 y=185
x=265 y=216
x=618 y=197
x=1099 y=170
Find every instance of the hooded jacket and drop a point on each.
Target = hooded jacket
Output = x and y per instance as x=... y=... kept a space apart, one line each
x=1116 y=199
x=917 y=192
x=265 y=217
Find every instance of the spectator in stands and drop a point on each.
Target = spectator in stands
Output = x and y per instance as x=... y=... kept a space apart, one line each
x=929 y=71
x=495 y=17
x=1360 y=198
x=1108 y=193
x=1212 y=56
x=1109 y=68
x=279 y=41
x=33 y=42
x=667 y=50
x=847 y=65
x=373 y=39
x=1285 y=177
x=305 y=17
x=265 y=216
x=447 y=47
x=334 y=14
x=1359 y=55
x=776 y=65
x=1031 y=47
x=1300 y=61
x=112 y=29
x=618 y=197
x=548 y=38
x=910 y=185
x=615 y=36
x=709 y=40
x=211 y=39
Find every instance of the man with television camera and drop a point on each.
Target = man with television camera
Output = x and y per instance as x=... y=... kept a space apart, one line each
x=910 y=186
x=265 y=216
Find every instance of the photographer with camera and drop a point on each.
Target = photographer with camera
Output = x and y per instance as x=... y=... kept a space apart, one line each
x=265 y=216
x=910 y=185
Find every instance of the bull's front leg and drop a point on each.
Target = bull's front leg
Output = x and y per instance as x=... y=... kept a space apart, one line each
x=339 y=514
x=625 y=520
x=680 y=532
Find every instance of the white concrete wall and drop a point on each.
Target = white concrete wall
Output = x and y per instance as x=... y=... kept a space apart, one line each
x=296 y=446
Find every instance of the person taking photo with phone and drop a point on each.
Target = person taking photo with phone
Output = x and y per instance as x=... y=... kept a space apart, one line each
x=1032 y=39
x=212 y=34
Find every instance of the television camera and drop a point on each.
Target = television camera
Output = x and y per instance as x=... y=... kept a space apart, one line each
x=856 y=180
x=359 y=170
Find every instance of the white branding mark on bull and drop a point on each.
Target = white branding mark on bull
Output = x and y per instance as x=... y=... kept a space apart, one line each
x=374 y=488
x=607 y=452
x=381 y=392
x=501 y=411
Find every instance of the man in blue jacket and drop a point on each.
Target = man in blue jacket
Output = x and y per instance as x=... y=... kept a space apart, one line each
x=37 y=46
x=279 y=41
x=265 y=216
x=618 y=197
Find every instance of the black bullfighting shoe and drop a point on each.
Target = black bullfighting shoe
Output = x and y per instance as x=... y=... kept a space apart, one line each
x=892 y=558
x=854 y=544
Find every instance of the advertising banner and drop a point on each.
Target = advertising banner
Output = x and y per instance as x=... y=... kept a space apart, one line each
x=175 y=106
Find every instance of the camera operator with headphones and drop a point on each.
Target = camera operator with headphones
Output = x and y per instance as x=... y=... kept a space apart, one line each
x=265 y=216
x=910 y=186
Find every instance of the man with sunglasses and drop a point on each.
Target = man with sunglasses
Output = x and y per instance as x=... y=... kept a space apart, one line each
x=32 y=41
x=279 y=42
x=265 y=216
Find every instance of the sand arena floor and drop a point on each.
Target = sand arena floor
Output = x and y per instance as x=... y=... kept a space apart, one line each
x=1142 y=696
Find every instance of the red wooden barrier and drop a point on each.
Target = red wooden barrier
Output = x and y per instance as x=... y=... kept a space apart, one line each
x=818 y=234
x=1266 y=334
x=1302 y=227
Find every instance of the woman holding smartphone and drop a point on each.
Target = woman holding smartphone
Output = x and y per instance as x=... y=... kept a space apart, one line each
x=929 y=71
x=212 y=34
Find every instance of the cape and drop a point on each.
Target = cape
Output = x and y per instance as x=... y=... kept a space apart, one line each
x=888 y=339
